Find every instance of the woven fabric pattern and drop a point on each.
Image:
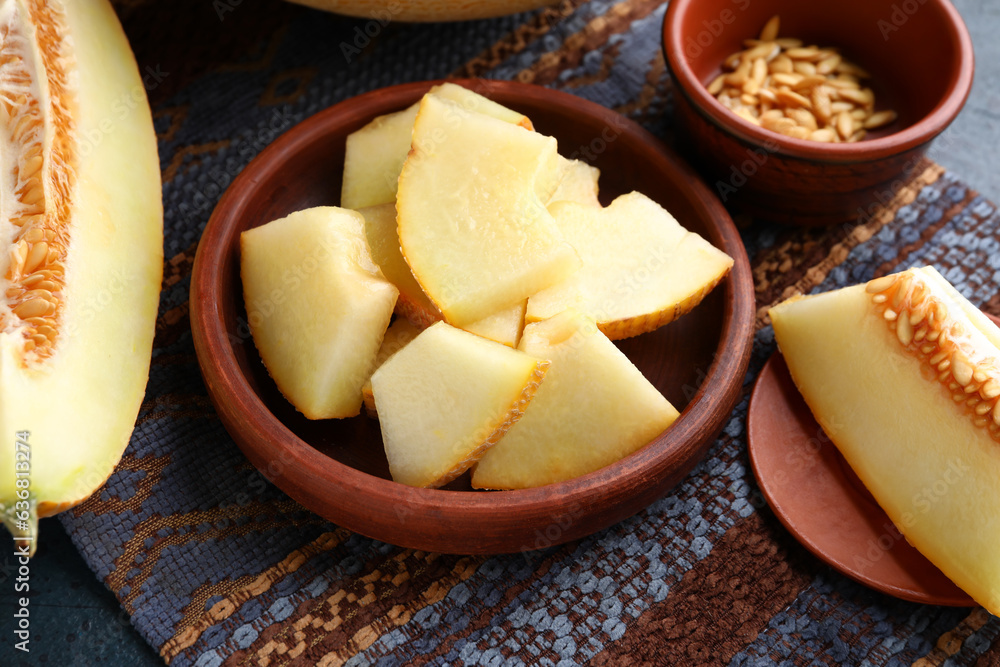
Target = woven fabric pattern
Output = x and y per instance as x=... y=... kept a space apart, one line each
x=216 y=566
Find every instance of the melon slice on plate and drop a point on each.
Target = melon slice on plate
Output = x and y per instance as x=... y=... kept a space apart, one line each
x=374 y=155
x=641 y=268
x=83 y=260
x=380 y=230
x=446 y=398
x=397 y=336
x=594 y=408
x=472 y=221
x=907 y=386
x=317 y=305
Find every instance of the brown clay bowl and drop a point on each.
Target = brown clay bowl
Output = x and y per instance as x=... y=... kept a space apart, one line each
x=382 y=12
x=337 y=468
x=921 y=60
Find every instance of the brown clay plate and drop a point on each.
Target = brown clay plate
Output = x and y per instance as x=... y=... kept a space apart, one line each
x=337 y=468
x=819 y=499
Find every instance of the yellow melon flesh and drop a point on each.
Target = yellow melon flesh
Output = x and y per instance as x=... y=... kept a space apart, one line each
x=503 y=327
x=374 y=155
x=446 y=398
x=397 y=336
x=578 y=182
x=380 y=230
x=472 y=223
x=82 y=264
x=641 y=268
x=907 y=386
x=594 y=408
x=317 y=305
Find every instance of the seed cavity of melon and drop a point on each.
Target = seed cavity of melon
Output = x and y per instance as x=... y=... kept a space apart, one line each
x=37 y=143
x=924 y=329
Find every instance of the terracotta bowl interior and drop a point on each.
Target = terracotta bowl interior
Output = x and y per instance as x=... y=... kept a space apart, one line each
x=920 y=58
x=304 y=169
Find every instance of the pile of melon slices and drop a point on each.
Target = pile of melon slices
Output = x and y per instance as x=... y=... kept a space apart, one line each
x=508 y=281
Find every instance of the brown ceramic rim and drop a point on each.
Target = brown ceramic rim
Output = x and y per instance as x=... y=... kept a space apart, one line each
x=863 y=151
x=495 y=517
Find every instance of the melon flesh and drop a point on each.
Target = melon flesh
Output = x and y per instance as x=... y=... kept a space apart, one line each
x=374 y=155
x=380 y=230
x=446 y=398
x=82 y=262
x=594 y=408
x=641 y=268
x=906 y=385
x=317 y=305
x=472 y=222
x=397 y=336
x=578 y=183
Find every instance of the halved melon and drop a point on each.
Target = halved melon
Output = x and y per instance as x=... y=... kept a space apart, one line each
x=374 y=155
x=472 y=220
x=317 y=305
x=594 y=408
x=641 y=268
x=446 y=398
x=82 y=221
x=907 y=386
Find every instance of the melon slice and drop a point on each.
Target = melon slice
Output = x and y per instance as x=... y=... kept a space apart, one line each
x=594 y=408
x=641 y=269
x=397 y=336
x=380 y=230
x=907 y=387
x=472 y=223
x=503 y=327
x=374 y=155
x=578 y=182
x=81 y=274
x=446 y=398
x=317 y=305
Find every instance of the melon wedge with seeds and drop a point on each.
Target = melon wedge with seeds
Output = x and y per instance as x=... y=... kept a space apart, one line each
x=907 y=386
x=472 y=221
x=641 y=268
x=446 y=398
x=594 y=408
x=317 y=306
x=83 y=263
x=380 y=230
x=374 y=155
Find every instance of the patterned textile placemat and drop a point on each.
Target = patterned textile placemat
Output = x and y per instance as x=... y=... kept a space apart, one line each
x=216 y=566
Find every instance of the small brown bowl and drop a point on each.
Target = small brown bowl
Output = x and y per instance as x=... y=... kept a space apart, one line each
x=337 y=468
x=921 y=61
